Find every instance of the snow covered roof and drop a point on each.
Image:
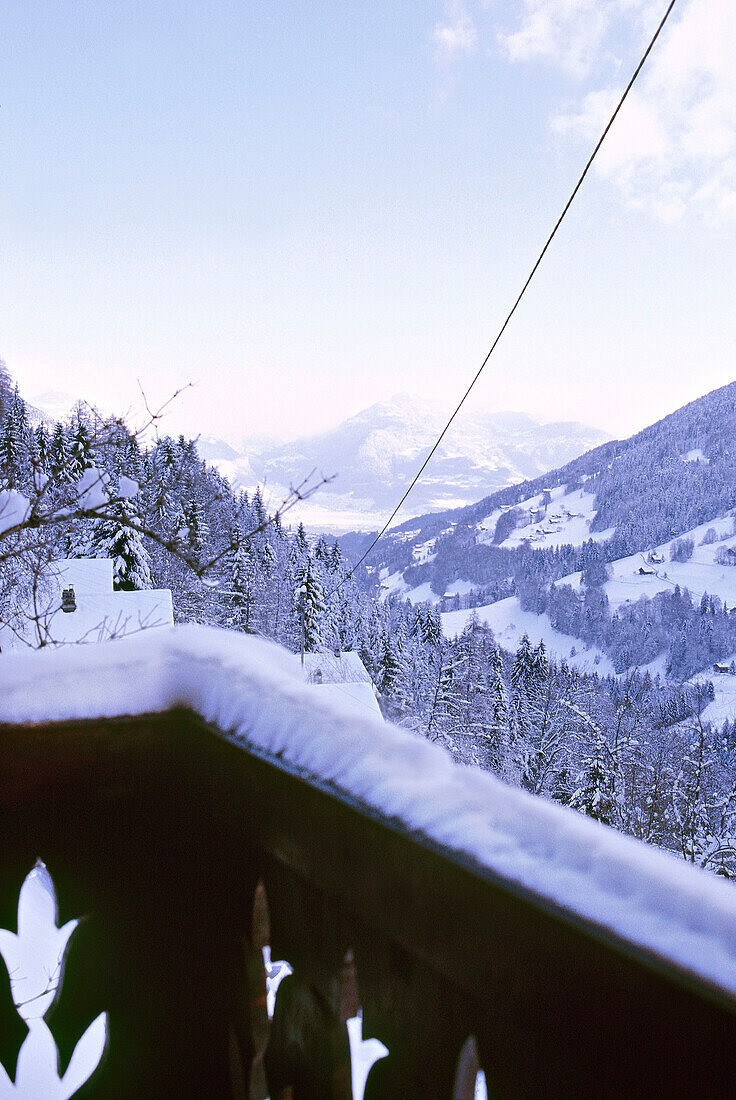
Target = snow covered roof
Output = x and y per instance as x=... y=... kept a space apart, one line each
x=344 y=677
x=335 y=668
x=253 y=692
x=358 y=695
x=100 y=613
x=98 y=618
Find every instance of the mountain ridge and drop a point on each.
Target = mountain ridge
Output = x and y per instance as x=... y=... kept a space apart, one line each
x=376 y=452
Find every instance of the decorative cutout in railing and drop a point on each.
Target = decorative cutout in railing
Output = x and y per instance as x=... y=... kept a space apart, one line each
x=34 y=957
x=275 y=974
x=470 y=1080
x=363 y=1053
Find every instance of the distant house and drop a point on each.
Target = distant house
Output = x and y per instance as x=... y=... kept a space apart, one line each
x=342 y=676
x=724 y=670
x=656 y=559
x=644 y=572
x=76 y=604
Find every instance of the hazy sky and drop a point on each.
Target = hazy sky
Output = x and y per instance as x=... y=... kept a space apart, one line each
x=305 y=206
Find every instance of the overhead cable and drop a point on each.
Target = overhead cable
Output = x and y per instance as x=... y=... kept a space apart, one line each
x=516 y=304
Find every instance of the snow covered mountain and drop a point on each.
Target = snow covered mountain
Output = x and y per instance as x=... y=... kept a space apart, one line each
x=54 y=406
x=623 y=558
x=374 y=454
x=370 y=458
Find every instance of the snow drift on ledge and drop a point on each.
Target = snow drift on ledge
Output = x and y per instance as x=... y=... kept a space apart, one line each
x=250 y=690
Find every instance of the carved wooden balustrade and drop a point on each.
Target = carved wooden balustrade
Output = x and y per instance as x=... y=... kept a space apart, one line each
x=184 y=853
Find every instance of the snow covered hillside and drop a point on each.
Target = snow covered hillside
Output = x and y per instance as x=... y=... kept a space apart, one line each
x=627 y=497
x=710 y=570
x=509 y=623
x=624 y=558
x=706 y=572
x=548 y=519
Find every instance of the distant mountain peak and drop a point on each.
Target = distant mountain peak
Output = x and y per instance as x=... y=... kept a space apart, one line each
x=374 y=454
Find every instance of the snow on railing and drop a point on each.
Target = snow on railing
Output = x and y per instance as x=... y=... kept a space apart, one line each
x=249 y=689
x=451 y=886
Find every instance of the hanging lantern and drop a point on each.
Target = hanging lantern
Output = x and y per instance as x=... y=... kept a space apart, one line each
x=68 y=599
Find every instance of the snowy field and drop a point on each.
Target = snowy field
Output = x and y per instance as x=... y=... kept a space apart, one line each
x=569 y=518
x=723 y=707
x=395 y=585
x=509 y=624
x=566 y=520
x=701 y=574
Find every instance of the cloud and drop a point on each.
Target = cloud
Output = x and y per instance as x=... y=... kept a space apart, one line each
x=568 y=33
x=456 y=36
x=672 y=150
x=575 y=34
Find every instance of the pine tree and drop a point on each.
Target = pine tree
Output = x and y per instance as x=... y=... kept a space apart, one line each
x=335 y=560
x=393 y=671
x=300 y=539
x=199 y=531
x=321 y=551
x=80 y=452
x=40 y=448
x=257 y=510
x=59 y=458
x=499 y=716
x=10 y=450
x=269 y=561
x=595 y=791
x=309 y=605
x=523 y=669
x=116 y=536
x=242 y=584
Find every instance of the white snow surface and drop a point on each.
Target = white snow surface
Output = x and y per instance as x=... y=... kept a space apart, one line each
x=344 y=667
x=343 y=677
x=566 y=520
x=421 y=594
x=361 y=698
x=396 y=585
x=101 y=614
x=251 y=690
x=510 y=623
x=14 y=509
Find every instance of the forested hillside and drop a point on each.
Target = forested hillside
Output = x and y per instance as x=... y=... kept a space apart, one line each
x=667 y=479
x=632 y=752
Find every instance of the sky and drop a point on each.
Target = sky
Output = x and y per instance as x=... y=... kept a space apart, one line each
x=303 y=207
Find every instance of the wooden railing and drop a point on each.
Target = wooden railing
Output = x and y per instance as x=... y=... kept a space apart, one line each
x=184 y=854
